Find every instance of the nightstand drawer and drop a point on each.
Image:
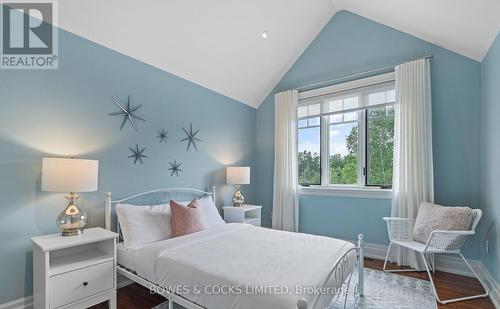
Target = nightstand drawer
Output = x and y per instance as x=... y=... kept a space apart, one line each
x=78 y=284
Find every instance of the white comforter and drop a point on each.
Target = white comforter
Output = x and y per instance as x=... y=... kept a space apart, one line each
x=225 y=266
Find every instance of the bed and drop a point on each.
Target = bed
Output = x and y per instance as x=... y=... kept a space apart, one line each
x=239 y=265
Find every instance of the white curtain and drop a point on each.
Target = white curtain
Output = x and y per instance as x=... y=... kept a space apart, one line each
x=285 y=196
x=413 y=180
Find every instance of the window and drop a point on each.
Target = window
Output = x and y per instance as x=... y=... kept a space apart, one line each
x=343 y=149
x=309 y=151
x=346 y=134
x=380 y=146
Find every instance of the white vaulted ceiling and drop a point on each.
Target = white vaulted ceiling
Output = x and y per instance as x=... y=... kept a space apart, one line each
x=218 y=43
x=215 y=43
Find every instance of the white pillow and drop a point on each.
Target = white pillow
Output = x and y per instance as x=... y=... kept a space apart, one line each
x=432 y=217
x=210 y=212
x=211 y=215
x=142 y=225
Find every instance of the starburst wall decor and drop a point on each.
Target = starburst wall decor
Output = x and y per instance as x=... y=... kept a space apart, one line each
x=162 y=135
x=127 y=111
x=137 y=154
x=175 y=168
x=191 y=137
x=129 y=114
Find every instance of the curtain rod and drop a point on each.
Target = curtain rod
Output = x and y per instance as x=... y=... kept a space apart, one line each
x=386 y=68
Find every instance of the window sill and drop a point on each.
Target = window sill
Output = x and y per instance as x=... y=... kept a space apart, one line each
x=347 y=192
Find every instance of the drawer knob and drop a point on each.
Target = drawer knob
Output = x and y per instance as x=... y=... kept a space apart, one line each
x=85 y=283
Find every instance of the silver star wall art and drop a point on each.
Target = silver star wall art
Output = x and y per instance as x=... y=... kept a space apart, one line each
x=191 y=137
x=137 y=154
x=127 y=111
x=175 y=168
x=162 y=135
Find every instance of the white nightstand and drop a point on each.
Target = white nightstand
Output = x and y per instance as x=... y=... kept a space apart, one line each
x=74 y=271
x=250 y=214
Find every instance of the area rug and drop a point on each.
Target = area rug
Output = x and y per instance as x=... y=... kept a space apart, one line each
x=382 y=291
x=390 y=291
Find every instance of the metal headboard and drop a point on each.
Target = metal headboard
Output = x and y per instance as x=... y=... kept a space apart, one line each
x=154 y=197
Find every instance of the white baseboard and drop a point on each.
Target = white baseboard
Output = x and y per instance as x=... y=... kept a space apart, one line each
x=447 y=263
x=492 y=284
x=121 y=282
x=22 y=303
x=374 y=251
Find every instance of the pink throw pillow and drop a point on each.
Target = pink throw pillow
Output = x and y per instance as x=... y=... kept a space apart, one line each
x=186 y=219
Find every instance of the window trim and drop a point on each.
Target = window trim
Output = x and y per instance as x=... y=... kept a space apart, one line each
x=359 y=83
x=347 y=191
x=324 y=147
x=361 y=189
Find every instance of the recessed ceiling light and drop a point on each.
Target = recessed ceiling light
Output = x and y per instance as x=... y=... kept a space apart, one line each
x=265 y=34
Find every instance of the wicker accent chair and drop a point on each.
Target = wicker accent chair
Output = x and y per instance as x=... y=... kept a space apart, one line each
x=440 y=242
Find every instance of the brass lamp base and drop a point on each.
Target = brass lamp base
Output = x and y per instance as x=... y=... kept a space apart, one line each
x=238 y=199
x=72 y=220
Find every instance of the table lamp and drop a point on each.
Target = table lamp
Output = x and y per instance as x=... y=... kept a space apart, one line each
x=70 y=175
x=238 y=175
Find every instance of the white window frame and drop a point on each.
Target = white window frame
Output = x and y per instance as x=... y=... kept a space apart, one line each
x=359 y=190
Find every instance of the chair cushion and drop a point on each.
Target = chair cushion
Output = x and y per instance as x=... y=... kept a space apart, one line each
x=436 y=217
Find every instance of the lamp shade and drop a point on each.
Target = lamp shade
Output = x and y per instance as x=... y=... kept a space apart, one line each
x=69 y=175
x=238 y=175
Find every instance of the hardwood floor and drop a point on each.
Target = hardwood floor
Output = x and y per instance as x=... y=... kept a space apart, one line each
x=134 y=296
x=448 y=285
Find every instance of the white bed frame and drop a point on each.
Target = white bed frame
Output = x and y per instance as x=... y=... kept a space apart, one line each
x=339 y=269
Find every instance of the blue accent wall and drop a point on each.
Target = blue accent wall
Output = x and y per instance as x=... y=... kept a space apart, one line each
x=344 y=217
x=64 y=112
x=350 y=44
x=490 y=155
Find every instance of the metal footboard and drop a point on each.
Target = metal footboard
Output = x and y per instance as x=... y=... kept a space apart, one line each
x=341 y=276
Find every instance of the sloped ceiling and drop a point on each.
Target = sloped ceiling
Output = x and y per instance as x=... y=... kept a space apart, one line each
x=467 y=27
x=215 y=43
x=218 y=43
